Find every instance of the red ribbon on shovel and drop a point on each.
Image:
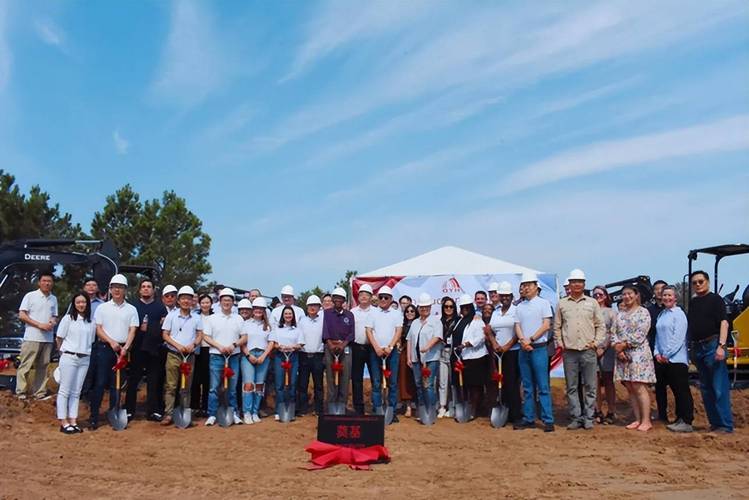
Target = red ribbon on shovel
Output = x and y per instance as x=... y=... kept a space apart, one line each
x=120 y=364
x=425 y=372
x=228 y=372
x=185 y=369
x=326 y=455
x=286 y=365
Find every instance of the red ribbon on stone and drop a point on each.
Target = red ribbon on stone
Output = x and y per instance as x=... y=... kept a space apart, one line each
x=326 y=455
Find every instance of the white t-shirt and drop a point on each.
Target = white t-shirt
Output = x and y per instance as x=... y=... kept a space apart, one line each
x=420 y=334
x=312 y=332
x=41 y=308
x=77 y=335
x=287 y=335
x=224 y=329
x=383 y=324
x=183 y=329
x=116 y=320
x=530 y=314
x=275 y=315
x=474 y=334
x=503 y=326
x=257 y=337
x=362 y=319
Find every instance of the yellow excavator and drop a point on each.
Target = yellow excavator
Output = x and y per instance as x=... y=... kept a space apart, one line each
x=737 y=308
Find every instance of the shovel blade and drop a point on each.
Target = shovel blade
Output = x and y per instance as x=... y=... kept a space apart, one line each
x=182 y=417
x=117 y=419
x=427 y=414
x=225 y=416
x=379 y=410
x=286 y=412
x=499 y=416
x=389 y=414
x=337 y=408
x=462 y=412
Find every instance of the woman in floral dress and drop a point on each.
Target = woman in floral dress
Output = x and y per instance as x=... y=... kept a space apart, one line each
x=634 y=361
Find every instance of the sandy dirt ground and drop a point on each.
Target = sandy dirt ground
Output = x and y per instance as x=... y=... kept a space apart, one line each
x=447 y=460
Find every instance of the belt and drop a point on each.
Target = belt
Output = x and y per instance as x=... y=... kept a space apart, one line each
x=706 y=339
x=540 y=344
x=79 y=354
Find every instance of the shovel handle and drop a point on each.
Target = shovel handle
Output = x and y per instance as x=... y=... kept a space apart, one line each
x=460 y=378
x=117 y=379
x=182 y=380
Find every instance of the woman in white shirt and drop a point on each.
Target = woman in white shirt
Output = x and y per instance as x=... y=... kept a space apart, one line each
x=424 y=349
x=472 y=350
x=255 y=359
x=287 y=339
x=75 y=335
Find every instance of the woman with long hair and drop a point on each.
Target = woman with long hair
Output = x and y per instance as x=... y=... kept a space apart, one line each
x=287 y=339
x=634 y=361
x=606 y=360
x=449 y=320
x=254 y=361
x=75 y=335
x=201 y=378
x=406 y=385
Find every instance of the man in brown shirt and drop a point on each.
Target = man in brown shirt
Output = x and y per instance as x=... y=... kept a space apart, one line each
x=579 y=329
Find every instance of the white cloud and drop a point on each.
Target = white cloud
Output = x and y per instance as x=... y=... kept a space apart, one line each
x=121 y=145
x=49 y=33
x=193 y=64
x=6 y=57
x=729 y=134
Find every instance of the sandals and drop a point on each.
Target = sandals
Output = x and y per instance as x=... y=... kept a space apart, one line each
x=70 y=429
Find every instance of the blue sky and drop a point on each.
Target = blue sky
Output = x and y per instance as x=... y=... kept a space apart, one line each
x=315 y=137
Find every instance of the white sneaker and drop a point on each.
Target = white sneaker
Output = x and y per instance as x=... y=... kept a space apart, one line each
x=237 y=420
x=256 y=418
x=210 y=421
x=276 y=417
x=442 y=413
x=248 y=419
x=22 y=396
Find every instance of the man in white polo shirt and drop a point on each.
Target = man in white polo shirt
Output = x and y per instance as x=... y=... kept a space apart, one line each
x=311 y=357
x=360 y=347
x=384 y=333
x=38 y=311
x=223 y=331
x=116 y=322
x=182 y=333
x=287 y=299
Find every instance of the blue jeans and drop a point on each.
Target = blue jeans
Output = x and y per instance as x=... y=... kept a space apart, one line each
x=217 y=372
x=714 y=384
x=534 y=372
x=376 y=377
x=428 y=397
x=284 y=394
x=254 y=375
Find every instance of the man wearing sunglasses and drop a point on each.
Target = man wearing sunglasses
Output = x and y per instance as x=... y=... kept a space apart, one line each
x=707 y=333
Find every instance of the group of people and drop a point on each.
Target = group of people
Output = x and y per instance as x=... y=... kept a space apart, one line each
x=428 y=353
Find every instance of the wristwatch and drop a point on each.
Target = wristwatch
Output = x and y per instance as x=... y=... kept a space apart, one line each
x=722 y=345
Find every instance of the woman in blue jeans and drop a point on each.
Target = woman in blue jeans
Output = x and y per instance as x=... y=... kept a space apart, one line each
x=255 y=358
x=424 y=346
x=287 y=339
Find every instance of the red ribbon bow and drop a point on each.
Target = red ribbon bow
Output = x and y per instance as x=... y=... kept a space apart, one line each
x=737 y=351
x=120 y=364
x=459 y=366
x=425 y=372
x=337 y=366
x=387 y=372
x=5 y=363
x=228 y=372
x=497 y=377
x=185 y=369
x=326 y=455
x=286 y=365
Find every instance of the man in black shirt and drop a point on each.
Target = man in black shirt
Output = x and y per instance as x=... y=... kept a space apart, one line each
x=147 y=354
x=708 y=331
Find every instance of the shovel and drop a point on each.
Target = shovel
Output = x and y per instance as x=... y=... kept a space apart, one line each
x=225 y=413
x=182 y=414
x=286 y=410
x=337 y=407
x=500 y=411
x=427 y=412
x=117 y=416
x=462 y=408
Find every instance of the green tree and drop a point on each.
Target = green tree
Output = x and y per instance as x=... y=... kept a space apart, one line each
x=345 y=282
x=164 y=233
x=301 y=299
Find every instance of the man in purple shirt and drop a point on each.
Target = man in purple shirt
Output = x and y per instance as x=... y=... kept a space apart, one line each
x=337 y=333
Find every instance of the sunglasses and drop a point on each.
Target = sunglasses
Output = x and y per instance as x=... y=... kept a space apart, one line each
x=698 y=282
x=599 y=294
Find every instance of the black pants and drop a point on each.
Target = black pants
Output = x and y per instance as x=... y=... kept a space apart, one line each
x=675 y=376
x=200 y=381
x=150 y=364
x=359 y=358
x=310 y=364
x=104 y=377
x=511 y=385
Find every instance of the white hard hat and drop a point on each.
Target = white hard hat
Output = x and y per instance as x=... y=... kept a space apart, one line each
x=529 y=277
x=260 y=302
x=287 y=290
x=424 y=300
x=576 y=274
x=505 y=288
x=118 y=279
x=314 y=300
x=169 y=289
x=226 y=292
x=566 y=282
x=465 y=300
x=340 y=292
x=493 y=287
x=186 y=290
x=244 y=304
x=386 y=290
x=366 y=287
